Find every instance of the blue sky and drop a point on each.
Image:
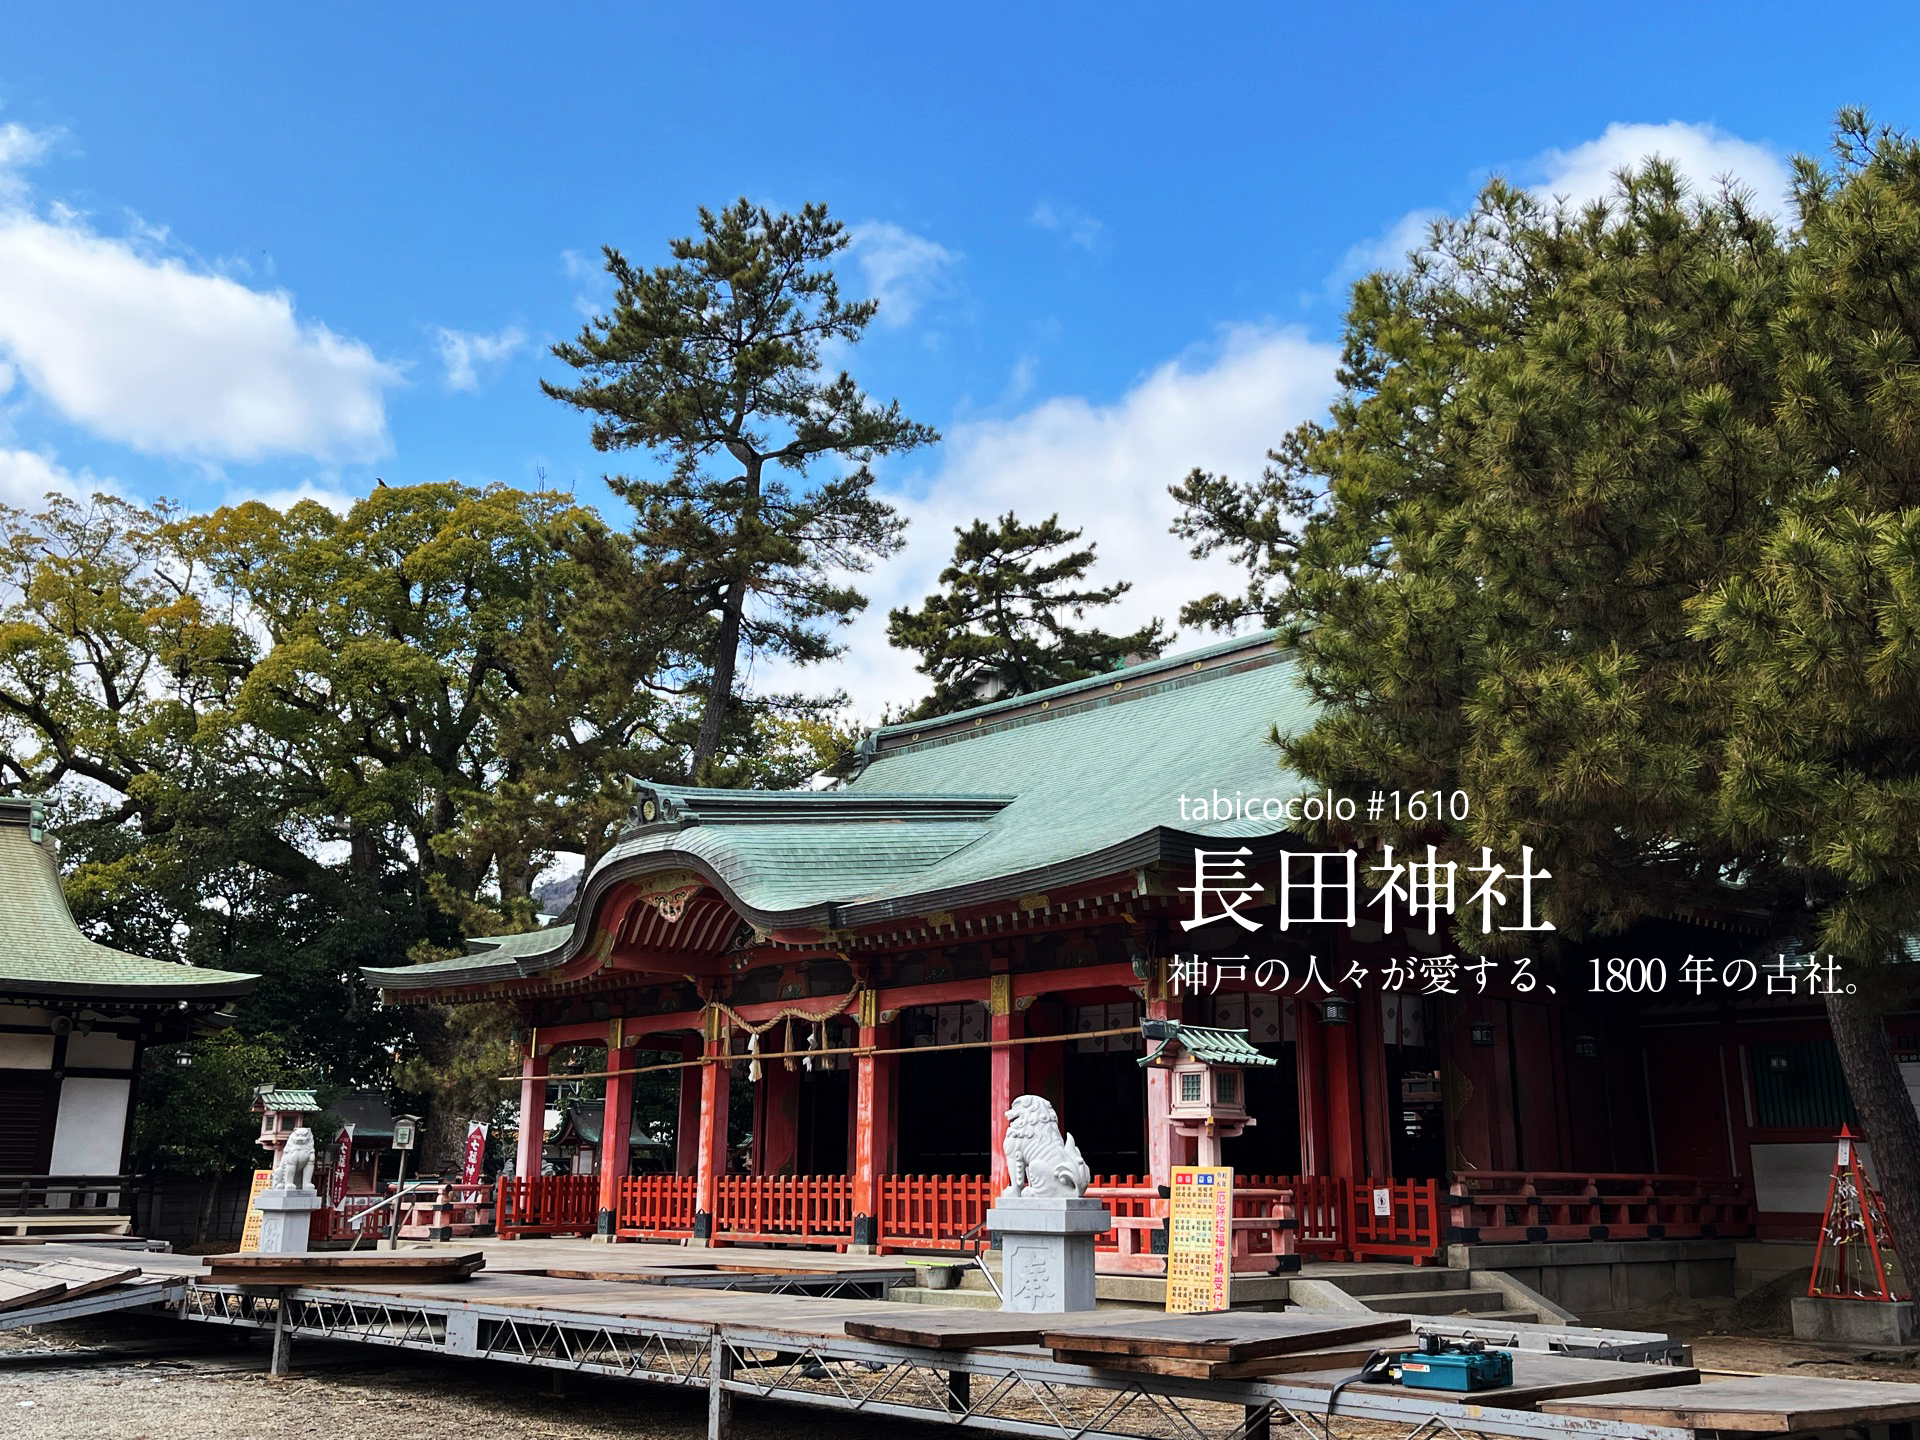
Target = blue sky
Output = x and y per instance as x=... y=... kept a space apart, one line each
x=247 y=252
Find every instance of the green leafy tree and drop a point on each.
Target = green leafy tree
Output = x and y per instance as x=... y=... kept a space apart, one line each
x=713 y=363
x=195 y=1116
x=1004 y=623
x=1605 y=529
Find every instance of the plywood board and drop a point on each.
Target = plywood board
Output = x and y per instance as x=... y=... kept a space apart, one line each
x=22 y=1288
x=342 y=1268
x=84 y=1277
x=1259 y=1368
x=940 y=1329
x=1229 y=1335
x=1765 y=1404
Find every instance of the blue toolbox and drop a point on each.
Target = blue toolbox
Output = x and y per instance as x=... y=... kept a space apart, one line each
x=1455 y=1365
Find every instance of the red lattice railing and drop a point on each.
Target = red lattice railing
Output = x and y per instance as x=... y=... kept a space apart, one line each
x=1503 y=1206
x=655 y=1207
x=547 y=1205
x=934 y=1211
x=784 y=1207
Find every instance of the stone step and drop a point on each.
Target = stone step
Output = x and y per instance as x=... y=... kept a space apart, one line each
x=1425 y=1278
x=1436 y=1302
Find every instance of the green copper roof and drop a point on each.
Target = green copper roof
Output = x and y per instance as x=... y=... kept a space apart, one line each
x=269 y=1097
x=1207 y=1045
x=43 y=953
x=1078 y=782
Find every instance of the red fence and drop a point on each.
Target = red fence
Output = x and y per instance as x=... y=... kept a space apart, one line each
x=1330 y=1216
x=655 y=1207
x=547 y=1205
x=932 y=1211
x=1493 y=1207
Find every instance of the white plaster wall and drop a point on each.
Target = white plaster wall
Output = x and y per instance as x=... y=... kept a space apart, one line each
x=100 y=1050
x=26 y=1052
x=90 y=1126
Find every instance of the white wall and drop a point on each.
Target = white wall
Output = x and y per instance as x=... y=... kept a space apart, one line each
x=90 y=1127
x=26 y=1052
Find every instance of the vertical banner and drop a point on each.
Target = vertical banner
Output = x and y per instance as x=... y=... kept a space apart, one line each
x=342 y=1169
x=250 y=1232
x=1199 y=1239
x=475 y=1156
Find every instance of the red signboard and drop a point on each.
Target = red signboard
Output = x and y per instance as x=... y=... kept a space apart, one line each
x=476 y=1153
x=342 y=1167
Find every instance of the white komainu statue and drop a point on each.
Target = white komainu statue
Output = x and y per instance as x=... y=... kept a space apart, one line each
x=1039 y=1161
x=295 y=1170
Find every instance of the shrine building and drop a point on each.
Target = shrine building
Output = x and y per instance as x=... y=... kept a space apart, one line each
x=849 y=987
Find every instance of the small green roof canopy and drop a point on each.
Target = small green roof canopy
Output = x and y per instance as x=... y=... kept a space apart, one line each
x=43 y=955
x=1205 y=1044
x=270 y=1097
x=1052 y=789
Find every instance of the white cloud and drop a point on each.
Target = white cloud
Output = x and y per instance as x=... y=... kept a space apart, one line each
x=19 y=148
x=1388 y=251
x=1105 y=469
x=465 y=354
x=337 y=501
x=138 y=347
x=27 y=476
x=1702 y=153
x=1069 y=222
x=903 y=270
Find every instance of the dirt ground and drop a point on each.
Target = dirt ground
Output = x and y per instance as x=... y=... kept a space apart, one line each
x=164 y=1380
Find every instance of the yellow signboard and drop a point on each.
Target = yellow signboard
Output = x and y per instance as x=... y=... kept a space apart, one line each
x=1199 y=1239
x=250 y=1235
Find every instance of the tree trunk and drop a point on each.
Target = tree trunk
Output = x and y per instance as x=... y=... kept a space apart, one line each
x=727 y=647
x=207 y=1198
x=1886 y=1113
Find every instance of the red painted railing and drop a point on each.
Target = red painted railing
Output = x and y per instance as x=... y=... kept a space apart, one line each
x=1263 y=1225
x=935 y=1211
x=1492 y=1207
x=655 y=1207
x=784 y=1207
x=1394 y=1217
x=547 y=1205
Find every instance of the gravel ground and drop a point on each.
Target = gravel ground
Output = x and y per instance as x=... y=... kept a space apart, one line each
x=221 y=1392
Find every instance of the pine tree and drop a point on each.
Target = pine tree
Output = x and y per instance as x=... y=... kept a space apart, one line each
x=1614 y=527
x=713 y=363
x=1001 y=626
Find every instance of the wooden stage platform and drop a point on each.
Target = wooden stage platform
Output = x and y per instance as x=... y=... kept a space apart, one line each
x=653 y=1314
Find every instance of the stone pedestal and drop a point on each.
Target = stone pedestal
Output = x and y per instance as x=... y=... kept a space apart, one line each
x=1046 y=1250
x=1853 y=1322
x=284 y=1218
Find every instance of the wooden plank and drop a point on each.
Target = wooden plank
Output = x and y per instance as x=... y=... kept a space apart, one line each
x=22 y=1288
x=1232 y=1335
x=342 y=1268
x=83 y=1277
x=1260 y=1367
x=1764 y=1404
x=939 y=1329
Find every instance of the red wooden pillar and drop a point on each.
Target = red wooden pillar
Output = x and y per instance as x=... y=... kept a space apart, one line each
x=1346 y=1152
x=1376 y=1113
x=715 y=1078
x=1164 y=1149
x=1007 y=1071
x=873 y=1124
x=1309 y=1050
x=686 y=1130
x=529 y=1162
x=616 y=1125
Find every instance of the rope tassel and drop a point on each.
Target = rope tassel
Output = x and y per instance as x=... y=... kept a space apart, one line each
x=753 y=1049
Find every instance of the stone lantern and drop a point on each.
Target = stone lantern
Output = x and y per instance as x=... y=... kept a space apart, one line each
x=1208 y=1099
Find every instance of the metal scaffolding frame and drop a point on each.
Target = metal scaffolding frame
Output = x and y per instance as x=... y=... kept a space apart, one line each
x=975 y=1390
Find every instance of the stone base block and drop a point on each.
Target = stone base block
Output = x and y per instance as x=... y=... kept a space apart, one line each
x=285 y=1216
x=1046 y=1250
x=1853 y=1322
